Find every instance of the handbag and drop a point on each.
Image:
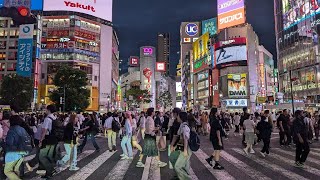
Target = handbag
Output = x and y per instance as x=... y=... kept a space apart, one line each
x=174 y=157
x=162 y=143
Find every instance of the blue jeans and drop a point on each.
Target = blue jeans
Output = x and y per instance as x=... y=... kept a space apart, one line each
x=84 y=142
x=126 y=143
x=68 y=157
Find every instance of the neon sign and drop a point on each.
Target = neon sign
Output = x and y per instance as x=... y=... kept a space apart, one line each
x=147 y=51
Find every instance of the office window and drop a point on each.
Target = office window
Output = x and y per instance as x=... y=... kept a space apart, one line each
x=13 y=32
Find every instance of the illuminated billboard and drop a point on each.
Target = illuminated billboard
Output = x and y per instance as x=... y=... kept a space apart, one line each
x=210 y=26
x=225 y=6
x=231 y=54
x=189 y=32
x=35 y=4
x=161 y=67
x=295 y=12
x=200 y=46
x=98 y=8
x=237 y=85
x=134 y=61
x=231 y=18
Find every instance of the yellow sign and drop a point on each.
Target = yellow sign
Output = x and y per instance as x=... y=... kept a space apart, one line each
x=261 y=100
x=200 y=47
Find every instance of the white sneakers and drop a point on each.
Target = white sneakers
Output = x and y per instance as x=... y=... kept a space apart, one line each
x=126 y=157
x=252 y=151
x=161 y=164
x=262 y=154
x=140 y=164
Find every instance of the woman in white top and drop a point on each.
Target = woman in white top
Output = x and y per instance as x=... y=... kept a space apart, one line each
x=249 y=126
x=236 y=119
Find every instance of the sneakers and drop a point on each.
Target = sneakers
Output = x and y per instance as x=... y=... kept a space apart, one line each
x=262 y=154
x=74 y=168
x=140 y=164
x=218 y=167
x=130 y=158
x=299 y=165
x=124 y=157
x=245 y=151
x=40 y=172
x=209 y=161
x=252 y=151
x=161 y=164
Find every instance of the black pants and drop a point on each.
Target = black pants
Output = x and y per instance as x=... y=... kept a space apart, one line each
x=266 y=145
x=284 y=134
x=237 y=129
x=302 y=151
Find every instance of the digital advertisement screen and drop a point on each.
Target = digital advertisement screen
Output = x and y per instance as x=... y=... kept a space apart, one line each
x=35 y=4
x=231 y=18
x=200 y=46
x=229 y=5
x=210 y=26
x=294 y=12
x=237 y=85
x=231 y=54
x=98 y=8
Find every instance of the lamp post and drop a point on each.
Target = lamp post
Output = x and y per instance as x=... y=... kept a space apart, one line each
x=292 y=79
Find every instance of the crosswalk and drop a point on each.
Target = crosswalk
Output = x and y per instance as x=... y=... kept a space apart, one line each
x=238 y=165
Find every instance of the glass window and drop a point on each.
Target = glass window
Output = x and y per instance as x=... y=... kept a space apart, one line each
x=1 y=33
x=3 y=44
x=12 y=43
x=12 y=55
x=3 y=23
x=13 y=32
x=2 y=55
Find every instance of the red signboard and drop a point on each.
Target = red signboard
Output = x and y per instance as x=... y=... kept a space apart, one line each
x=58 y=33
x=231 y=42
x=57 y=45
x=85 y=35
x=134 y=61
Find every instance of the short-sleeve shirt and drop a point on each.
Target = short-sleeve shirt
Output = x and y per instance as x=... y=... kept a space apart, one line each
x=47 y=123
x=249 y=125
x=215 y=126
x=108 y=123
x=184 y=131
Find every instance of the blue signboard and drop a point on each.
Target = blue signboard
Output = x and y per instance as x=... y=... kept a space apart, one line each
x=210 y=26
x=35 y=4
x=24 y=64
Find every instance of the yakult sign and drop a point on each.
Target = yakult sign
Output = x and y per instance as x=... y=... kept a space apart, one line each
x=229 y=5
x=98 y=8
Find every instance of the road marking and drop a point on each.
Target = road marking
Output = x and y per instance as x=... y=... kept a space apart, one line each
x=315 y=153
x=254 y=174
x=275 y=138
x=291 y=162
x=274 y=167
x=219 y=174
x=192 y=174
x=120 y=169
x=83 y=155
x=87 y=170
x=309 y=159
x=315 y=149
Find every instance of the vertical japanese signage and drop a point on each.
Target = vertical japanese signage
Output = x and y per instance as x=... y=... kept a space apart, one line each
x=210 y=26
x=25 y=48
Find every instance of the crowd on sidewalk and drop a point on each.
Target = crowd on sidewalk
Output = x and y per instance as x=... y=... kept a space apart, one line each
x=150 y=132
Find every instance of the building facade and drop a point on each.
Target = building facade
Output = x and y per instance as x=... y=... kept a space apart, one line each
x=163 y=50
x=298 y=51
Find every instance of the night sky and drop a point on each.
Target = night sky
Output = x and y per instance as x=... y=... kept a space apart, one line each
x=138 y=22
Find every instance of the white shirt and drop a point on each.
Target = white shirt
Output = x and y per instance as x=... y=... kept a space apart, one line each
x=1 y=132
x=236 y=119
x=81 y=118
x=249 y=125
x=184 y=130
x=142 y=122
x=108 y=123
x=47 y=123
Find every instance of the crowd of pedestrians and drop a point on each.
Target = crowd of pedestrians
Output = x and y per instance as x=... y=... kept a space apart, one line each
x=150 y=132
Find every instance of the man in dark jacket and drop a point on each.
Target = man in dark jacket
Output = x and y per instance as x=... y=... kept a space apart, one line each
x=264 y=129
x=244 y=117
x=301 y=138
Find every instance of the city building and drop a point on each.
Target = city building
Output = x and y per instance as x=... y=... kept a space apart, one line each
x=298 y=52
x=163 y=50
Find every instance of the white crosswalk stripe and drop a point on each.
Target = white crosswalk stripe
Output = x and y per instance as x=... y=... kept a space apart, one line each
x=120 y=169
x=309 y=159
x=291 y=162
x=315 y=149
x=87 y=170
x=219 y=175
x=274 y=167
x=244 y=167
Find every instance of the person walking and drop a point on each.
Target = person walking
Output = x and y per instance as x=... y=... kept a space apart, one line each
x=216 y=134
x=174 y=126
x=236 y=123
x=300 y=133
x=264 y=129
x=150 y=148
x=127 y=137
x=182 y=165
x=90 y=131
x=112 y=135
x=18 y=145
x=70 y=143
x=48 y=143
x=249 y=127
x=316 y=125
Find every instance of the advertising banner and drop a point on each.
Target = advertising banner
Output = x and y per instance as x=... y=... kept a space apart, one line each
x=134 y=61
x=231 y=42
x=200 y=46
x=237 y=85
x=210 y=26
x=35 y=4
x=98 y=8
x=161 y=67
x=25 y=50
x=189 y=32
x=231 y=18
x=295 y=12
x=200 y=65
x=236 y=102
x=229 y=5
x=231 y=54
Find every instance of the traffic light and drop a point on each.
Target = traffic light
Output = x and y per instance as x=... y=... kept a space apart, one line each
x=20 y=15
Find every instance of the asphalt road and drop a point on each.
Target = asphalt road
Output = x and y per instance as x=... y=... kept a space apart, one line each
x=104 y=165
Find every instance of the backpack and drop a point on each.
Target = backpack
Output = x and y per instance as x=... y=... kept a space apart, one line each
x=116 y=126
x=194 y=141
x=56 y=134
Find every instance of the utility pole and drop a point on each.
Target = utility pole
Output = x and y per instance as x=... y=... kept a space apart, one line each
x=291 y=92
